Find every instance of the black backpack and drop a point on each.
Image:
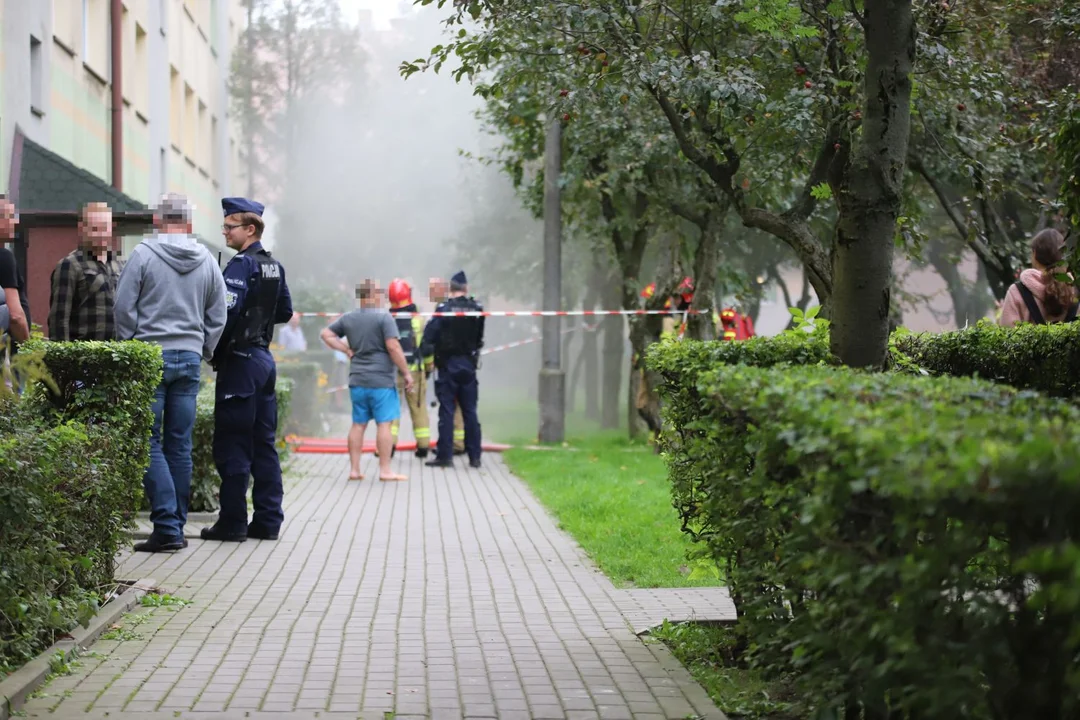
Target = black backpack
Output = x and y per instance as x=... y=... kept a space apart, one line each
x=1035 y=316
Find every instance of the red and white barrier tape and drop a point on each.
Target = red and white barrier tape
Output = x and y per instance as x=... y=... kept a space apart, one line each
x=525 y=313
x=499 y=348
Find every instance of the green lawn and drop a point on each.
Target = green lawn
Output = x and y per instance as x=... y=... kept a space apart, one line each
x=613 y=497
x=708 y=652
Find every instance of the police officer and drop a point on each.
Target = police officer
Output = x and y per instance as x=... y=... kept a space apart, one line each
x=455 y=342
x=245 y=403
x=411 y=330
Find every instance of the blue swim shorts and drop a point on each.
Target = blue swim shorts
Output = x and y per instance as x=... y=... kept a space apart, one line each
x=378 y=404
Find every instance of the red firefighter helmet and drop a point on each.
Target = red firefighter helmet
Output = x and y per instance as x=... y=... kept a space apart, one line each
x=400 y=293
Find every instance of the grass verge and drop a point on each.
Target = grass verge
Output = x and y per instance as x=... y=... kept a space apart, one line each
x=613 y=497
x=709 y=653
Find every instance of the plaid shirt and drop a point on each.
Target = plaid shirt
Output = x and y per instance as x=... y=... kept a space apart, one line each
x=83 y=292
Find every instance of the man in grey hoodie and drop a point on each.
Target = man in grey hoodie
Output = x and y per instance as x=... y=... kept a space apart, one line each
x=172 y=293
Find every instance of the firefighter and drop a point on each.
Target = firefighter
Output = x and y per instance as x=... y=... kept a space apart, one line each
x=736 y=326
x=410 y=330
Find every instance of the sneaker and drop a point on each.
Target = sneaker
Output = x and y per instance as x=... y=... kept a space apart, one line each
x=215 y=532
x=156 y=543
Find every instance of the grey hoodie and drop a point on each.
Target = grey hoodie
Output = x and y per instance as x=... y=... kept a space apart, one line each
x=171 y=293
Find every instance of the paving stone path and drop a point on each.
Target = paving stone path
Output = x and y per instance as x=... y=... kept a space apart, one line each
x=451 y=595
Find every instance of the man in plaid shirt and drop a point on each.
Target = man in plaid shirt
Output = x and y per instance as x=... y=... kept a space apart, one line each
x=84 y=282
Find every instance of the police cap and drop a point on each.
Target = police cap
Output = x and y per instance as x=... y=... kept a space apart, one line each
x=459 y=278
x=237 y=205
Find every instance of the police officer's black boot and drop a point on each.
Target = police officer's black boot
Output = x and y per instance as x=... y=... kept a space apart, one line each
x=216 y=532
x=436 y=462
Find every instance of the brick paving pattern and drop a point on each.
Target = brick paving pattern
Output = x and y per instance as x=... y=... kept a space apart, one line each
x=451 y=595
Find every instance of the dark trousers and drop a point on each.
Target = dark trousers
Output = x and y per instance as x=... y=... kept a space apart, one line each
x=245 y=419
x=456 y=386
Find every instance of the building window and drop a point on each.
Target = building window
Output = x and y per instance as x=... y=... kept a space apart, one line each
x=141 y=91
x=66 y=24
x=164 y=173
x=37 y=101
x=191 y=120
x=215 y=159
x=203 y=154
x=95 y=50
x=176 y=109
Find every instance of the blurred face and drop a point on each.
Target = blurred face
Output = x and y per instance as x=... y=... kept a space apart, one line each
x=295 y=320
x=438 y=290
x=8 y=220
x=237 y=235
x=96 y=230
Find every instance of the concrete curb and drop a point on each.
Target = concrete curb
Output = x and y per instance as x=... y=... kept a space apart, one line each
x=17 y=687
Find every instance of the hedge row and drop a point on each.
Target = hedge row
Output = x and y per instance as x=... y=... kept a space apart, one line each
x=904 y=545
x=71 y=467
x=1034 y=357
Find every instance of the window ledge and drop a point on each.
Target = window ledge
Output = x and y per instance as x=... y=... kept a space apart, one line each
x=142 y=116
x=64 y=46
x=97 y=76
x=37 y=111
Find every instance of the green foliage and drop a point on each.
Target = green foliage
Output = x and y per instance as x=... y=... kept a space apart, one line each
x=891 y=541
x=71 y=465
x=205 y=481
x=1033 y=357
x=712 y=655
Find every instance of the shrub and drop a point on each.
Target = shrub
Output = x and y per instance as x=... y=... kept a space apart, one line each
x=71 y=464
x=1037 y=357
x=205 y=482
x=905 y=546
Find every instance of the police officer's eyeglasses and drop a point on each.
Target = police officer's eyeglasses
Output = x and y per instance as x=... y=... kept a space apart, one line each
x=229 y=228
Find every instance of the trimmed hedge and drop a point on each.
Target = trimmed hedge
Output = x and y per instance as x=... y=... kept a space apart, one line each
x=71 y=468
x=1034 y=357
x=1037 y=357
x=205 y=482
x=904 y=546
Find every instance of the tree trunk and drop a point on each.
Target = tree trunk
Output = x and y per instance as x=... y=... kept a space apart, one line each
x=706 y=260
x=589 y=348
x=632 y=418
x=614 y=355
x=871 y=189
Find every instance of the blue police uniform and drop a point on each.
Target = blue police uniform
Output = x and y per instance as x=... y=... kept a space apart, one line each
x=455 y=342
x=245 y=402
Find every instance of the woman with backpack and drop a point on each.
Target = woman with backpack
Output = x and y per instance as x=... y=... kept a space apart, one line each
x=1039 y=296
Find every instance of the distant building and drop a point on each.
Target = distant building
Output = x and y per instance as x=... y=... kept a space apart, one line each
x=56 y=119
x=55 y=89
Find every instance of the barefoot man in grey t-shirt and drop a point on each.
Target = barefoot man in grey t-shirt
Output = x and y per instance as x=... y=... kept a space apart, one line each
x=369 y=336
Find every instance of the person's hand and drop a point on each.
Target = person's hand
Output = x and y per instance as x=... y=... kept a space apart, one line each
x=349 y=353
x=409 y=382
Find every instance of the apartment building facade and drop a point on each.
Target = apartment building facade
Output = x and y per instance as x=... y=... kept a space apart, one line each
x=56 y=79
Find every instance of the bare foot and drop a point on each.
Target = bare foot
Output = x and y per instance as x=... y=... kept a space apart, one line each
x=356 y=476
x=392 y=478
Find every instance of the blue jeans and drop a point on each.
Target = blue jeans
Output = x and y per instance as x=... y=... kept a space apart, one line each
x=168 y=479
